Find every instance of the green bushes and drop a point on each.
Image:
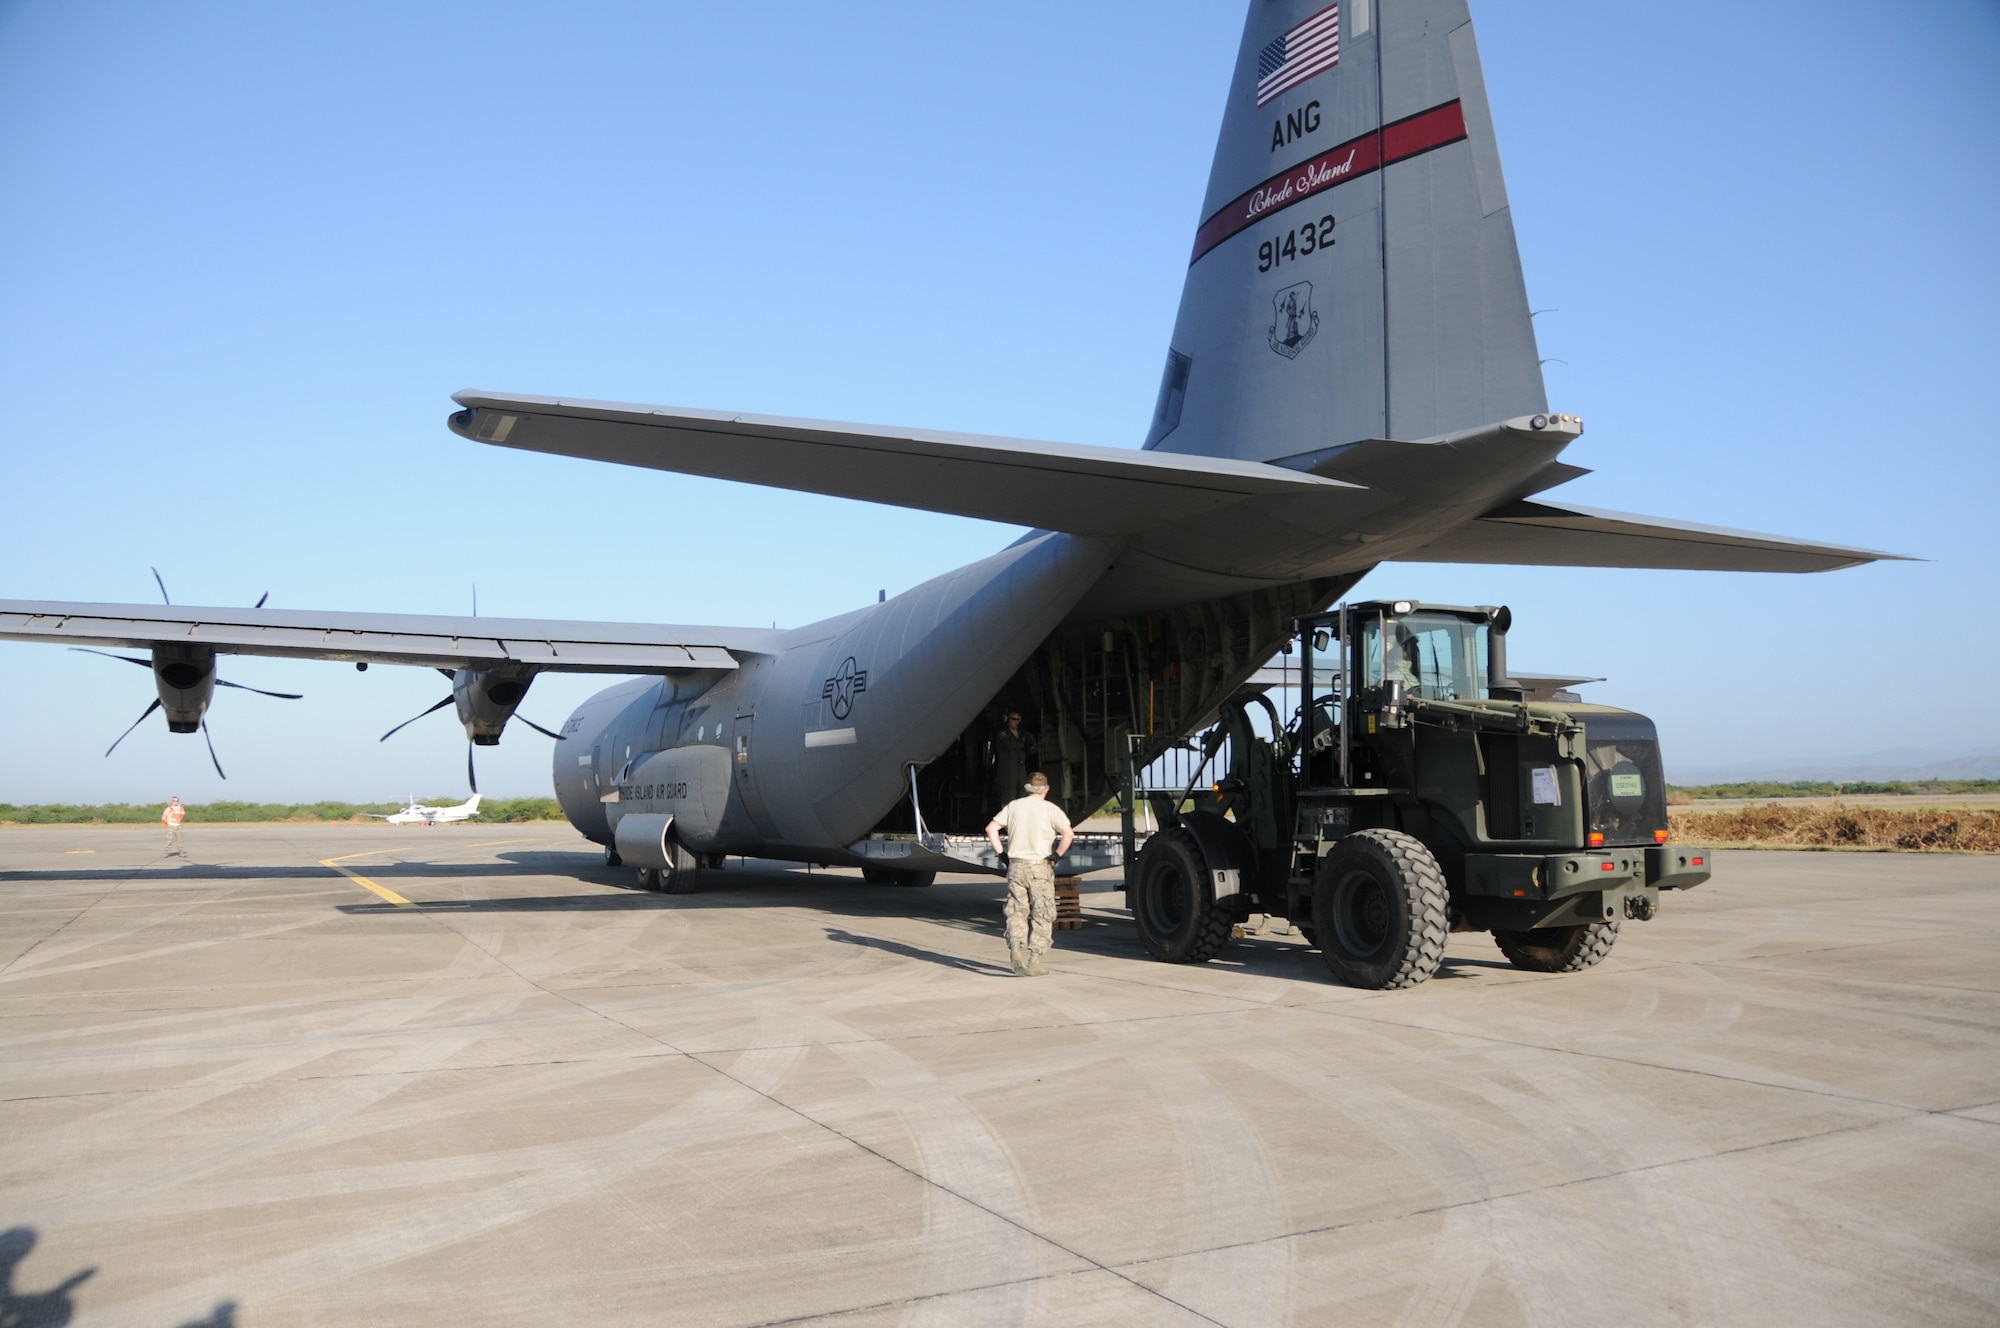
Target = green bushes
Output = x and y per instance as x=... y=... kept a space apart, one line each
x=520 y=809
x=505 y=810
x=62 y=813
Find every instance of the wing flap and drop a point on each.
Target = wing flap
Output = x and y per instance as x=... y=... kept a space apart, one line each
x=1544 y=535
x=390 y=638
x=1103 y=491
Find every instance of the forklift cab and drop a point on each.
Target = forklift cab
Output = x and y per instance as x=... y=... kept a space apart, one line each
x=1433 y=654
x=1371 y=659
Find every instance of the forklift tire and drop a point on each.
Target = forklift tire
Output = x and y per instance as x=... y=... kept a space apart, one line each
x=884 y=876
x=1558 y=949
x=1173 y=901
x=1379 y=910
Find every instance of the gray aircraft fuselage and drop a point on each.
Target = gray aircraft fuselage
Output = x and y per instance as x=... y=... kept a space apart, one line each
x=798 y=753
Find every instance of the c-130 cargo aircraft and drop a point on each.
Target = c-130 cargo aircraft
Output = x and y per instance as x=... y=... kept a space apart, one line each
x=1352 y=378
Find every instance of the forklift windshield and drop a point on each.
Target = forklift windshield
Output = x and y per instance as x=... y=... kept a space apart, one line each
x=1436 y=656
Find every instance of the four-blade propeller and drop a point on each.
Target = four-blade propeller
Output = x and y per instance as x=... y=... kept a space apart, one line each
x=471 y=775
x=219 y=682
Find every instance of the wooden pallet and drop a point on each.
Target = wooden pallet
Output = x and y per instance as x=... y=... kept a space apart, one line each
x=1069 y=902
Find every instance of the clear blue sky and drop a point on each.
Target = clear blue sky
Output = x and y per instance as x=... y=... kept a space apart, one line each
x=247 y=251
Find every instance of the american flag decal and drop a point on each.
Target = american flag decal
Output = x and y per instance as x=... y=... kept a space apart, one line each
x=1313 y=47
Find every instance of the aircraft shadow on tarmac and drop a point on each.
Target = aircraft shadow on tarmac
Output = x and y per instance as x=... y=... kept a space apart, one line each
x=969 y=902
x=292 y=871
x=757 y=885
x=580 y=866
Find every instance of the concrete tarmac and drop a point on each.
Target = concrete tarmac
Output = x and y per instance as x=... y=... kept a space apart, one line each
x=249 y=1088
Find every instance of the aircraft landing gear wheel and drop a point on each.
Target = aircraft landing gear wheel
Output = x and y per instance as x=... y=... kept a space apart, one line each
x=1558 y=949
x=683 y=871
x=611 y=858
x=1173 y=901
x=1379 y=910
x=884 y=876
x=679 y=877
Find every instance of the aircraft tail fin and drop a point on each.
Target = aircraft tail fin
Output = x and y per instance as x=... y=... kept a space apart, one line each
x=1355 y=273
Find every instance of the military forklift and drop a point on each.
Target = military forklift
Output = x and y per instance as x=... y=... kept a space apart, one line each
x=1417 y=790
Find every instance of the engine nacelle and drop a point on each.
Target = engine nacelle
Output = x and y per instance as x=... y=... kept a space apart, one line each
x=487 y=699
x=185 y=677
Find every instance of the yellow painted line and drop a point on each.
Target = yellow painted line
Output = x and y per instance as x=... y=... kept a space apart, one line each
x=489 y=843
x=384 y=891
x=79 y=850
x=371 y=853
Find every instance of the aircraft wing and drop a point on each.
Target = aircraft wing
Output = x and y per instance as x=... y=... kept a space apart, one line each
x=1544 y=535
x=390 y=638
x=1070 y=487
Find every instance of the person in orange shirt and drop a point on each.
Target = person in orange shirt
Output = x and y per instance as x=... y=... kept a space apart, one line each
x=172 y=818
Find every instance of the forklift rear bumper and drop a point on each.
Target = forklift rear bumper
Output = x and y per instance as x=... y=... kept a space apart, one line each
x=1678 y=866
x=1557 y=875
x=1534 y=876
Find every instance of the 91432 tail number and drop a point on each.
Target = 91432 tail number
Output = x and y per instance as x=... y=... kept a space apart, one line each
x=1295 y=244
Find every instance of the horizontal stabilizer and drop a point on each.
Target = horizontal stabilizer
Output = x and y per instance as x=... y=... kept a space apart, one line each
x=1084 y=490
x=1544 y=535
x=389 y=638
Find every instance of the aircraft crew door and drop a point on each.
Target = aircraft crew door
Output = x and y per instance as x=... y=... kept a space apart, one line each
x=748 y=787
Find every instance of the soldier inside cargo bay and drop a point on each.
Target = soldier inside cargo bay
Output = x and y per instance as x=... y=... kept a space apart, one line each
x=1011 y=759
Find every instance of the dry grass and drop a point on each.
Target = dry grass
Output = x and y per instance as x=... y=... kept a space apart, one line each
x=1927 y=830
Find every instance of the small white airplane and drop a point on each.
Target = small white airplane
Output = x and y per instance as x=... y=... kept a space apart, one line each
x=418 y=814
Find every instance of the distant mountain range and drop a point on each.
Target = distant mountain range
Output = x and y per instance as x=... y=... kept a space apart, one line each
x=1897 y=763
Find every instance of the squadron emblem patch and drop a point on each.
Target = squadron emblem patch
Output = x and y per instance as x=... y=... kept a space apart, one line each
x=1293 y=320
